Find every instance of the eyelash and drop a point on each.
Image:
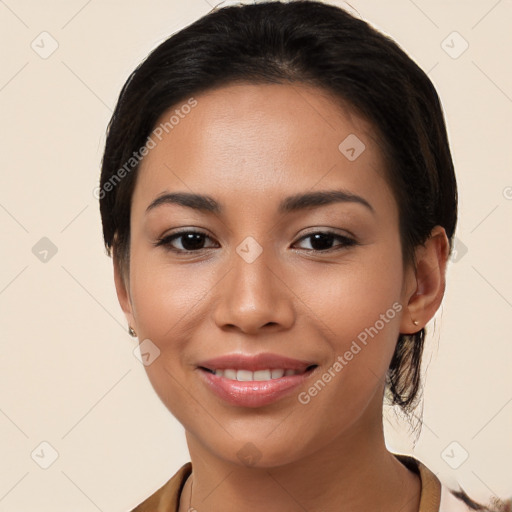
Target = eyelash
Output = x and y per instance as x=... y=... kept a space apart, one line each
x=166 y=241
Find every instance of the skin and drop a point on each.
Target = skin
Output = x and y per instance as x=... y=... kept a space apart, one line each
x=249 y=146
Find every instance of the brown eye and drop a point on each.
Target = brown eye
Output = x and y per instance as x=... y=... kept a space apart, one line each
x=321 y=241
x=184 y=241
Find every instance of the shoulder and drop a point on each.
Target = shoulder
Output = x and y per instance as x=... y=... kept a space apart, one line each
x=435 y=495
x=167 y=497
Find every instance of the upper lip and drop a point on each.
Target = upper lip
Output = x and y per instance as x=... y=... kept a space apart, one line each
x=255 y=362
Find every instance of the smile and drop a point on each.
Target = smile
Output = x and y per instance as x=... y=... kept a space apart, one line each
x=245 y=388
x=259 y=375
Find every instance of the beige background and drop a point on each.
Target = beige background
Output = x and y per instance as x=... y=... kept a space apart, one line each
x=68 y=375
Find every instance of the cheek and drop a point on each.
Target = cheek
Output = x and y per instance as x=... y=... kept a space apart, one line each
x=165 y=300
x=360 y=311
x=164 y=295
x=351 y=297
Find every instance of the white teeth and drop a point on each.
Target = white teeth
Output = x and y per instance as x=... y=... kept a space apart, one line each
x=244 y=375
x=259 y=375
x=262 y=375
x=277 y=374
x=229 y=374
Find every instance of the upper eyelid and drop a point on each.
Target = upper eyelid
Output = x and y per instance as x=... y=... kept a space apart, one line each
x=172 y=236
x=313 y=231
x=176 y=235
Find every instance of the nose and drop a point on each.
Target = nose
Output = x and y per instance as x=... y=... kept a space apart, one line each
x=253 y=297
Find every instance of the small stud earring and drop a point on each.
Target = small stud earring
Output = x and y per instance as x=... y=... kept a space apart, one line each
x=131 y=332
x=415 y=322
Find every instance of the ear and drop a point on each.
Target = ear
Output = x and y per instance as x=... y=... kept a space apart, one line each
x=123 y=290
x=425 y=284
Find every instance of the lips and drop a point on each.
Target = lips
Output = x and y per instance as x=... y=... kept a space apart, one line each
x=253 y=363
x=254 y=381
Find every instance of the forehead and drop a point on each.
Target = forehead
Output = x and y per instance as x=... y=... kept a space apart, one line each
x=259 y=140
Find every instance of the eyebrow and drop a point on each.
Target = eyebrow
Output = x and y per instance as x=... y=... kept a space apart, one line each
x=207 y=204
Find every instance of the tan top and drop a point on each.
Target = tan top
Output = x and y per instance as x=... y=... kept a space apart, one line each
x=166 y=498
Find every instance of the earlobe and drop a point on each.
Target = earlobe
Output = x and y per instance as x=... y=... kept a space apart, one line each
x=425 y=299
x=122 y=290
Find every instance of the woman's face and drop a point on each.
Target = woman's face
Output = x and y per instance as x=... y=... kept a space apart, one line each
x=257 y=279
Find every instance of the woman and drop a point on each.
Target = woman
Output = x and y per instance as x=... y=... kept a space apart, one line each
x=278 y=196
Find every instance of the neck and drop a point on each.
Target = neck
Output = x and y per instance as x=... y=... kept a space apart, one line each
x=354 y=471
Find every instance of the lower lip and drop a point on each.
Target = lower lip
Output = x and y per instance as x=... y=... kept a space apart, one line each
x=252 y=393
